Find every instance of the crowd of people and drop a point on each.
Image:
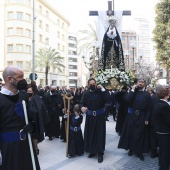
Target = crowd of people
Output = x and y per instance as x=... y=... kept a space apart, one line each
x=142 y=118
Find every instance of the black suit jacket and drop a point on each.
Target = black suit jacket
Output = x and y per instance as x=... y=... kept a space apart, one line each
x=162 y=117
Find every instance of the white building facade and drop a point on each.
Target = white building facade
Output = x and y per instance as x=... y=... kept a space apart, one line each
x=16 y=32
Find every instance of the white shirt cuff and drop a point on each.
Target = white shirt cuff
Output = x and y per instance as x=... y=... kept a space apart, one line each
x=102 y=89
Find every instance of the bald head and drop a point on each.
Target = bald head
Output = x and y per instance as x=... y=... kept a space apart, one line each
x=11 y=71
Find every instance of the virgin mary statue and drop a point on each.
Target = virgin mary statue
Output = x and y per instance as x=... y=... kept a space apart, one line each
x=112 y=51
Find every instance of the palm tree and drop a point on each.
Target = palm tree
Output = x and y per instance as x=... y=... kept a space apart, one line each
x=47 y=58
x=87 y=37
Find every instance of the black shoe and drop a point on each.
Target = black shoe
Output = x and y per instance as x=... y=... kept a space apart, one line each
x=130 y=153
x=50 y=138
x=63 y=141
x=57 y=136
x=100 y=158
x=140 y=156
x=71 y=156
x=107 y=119
x=91 y=155
x=154 y=155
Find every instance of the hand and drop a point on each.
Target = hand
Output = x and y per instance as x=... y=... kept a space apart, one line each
x=100 y=86
x=146 y=122
x=84 y=109
x=30 y=127
x=76 y=113
x=134 y=87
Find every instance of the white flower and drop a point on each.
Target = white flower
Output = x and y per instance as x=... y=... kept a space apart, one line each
x=103 y=77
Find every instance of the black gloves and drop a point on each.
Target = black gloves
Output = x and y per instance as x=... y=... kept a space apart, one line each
x=30 y=127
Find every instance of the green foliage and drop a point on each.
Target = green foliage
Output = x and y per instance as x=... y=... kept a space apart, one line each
x=162 y=33
x=87 y=37
x=47 y=58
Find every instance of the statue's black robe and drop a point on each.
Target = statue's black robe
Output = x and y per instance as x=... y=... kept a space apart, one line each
x=134 y=134
x=95 y=126
x=112 y=53
x=15 y=155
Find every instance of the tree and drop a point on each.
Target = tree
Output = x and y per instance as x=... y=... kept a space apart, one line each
x=162 y=34
x=88 y=46
x=146 y=71
x=47 y=58
x=87 y=37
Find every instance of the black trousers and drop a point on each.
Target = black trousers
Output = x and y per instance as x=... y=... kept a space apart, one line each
x=153 y=141
x=164 y=151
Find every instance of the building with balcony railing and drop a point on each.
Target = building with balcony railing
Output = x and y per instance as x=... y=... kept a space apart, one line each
x=16 y=32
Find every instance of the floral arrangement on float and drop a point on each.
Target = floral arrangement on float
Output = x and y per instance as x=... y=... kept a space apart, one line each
x=114 y=79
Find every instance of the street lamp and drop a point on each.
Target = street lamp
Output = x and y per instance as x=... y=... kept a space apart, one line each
x=93 y=64
x=126 y=53
x=133 y=46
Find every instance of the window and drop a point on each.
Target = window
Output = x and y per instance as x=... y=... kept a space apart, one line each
x=47 y=41
x=40 y=8
x=47 y=14
x=72 y=38
x=47 y=27
x=72 y=59
x=19 y=15
x=10 y=63
x=28 y=49
x=63 y=49
x=71 y=45
x=10 y=47
x=28 y=33
x=72 y=52
x=73 y=81
x=19 y=64
x=19 y=48
x=72 y=74
x=58 y=34
x=28 y=65
x=60 y=83
x=54 y=82
x=72 y=67
x=123 y=38
x=40 y=23
x=19 y=31
x=62 y=36
x=62 y=25
x=10 y=31
x=28 y=17
x=40 y=37
x=58 y=46
x=10 y=15
x=28 y=2
x=58 y=22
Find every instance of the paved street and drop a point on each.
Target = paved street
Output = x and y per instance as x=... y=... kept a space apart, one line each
x=52 y=156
